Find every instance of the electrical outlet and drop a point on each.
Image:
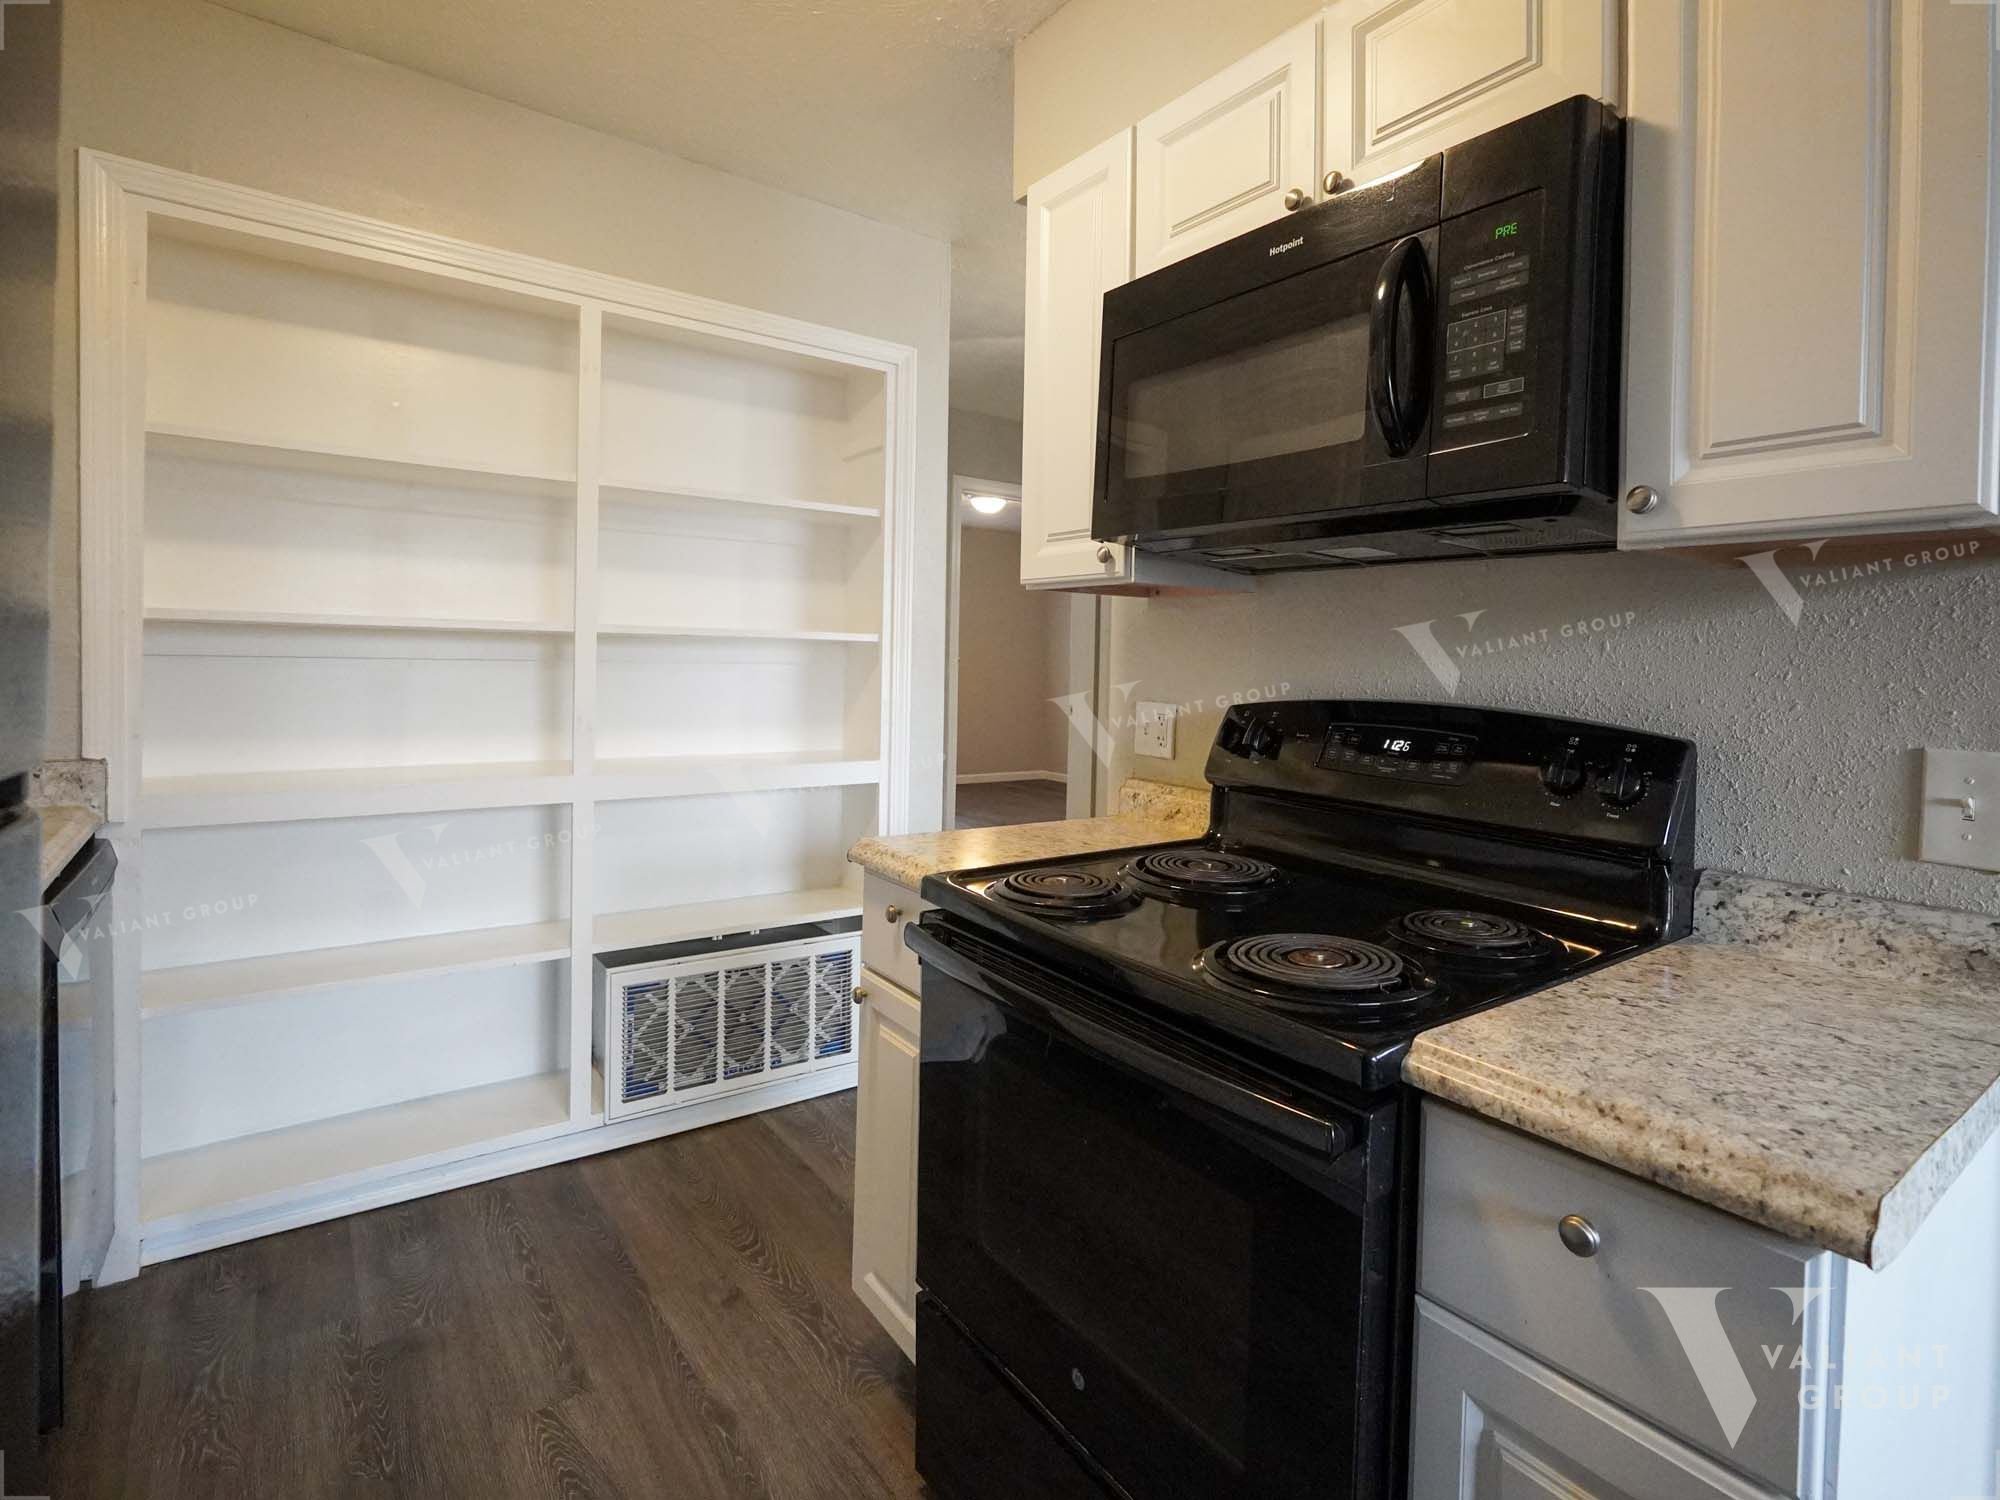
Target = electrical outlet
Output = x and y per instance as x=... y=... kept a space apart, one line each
x=1153 y=731
x=1961 y=812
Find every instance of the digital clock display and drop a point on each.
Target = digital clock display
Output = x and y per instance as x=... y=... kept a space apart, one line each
x=1397 y=745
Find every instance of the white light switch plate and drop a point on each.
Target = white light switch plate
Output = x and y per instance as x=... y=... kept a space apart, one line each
x=1948 y=836
x=1153 y=730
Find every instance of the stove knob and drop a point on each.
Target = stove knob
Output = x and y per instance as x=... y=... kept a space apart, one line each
x=1263 y=737
x=1562 y=773
x=1622 y=785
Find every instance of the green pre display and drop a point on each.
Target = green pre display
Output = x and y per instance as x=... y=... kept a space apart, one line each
x=1507 y=230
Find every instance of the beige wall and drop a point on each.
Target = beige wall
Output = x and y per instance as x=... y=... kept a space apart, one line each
x=189 y=85
x=1096 y=66
x=1012 y=660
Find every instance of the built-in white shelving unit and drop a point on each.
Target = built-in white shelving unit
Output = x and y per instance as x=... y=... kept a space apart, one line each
x=472 y=616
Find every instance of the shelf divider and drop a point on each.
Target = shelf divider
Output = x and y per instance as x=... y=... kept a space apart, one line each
x=285 y=796
x=240 y=981
x=244 y=1173
x=700 y=775
x=223 y=447
x=162 y=615
x=630 y=493
x=673 y=924
x=740 y=633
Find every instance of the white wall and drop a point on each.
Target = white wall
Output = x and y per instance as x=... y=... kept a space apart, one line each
x=189 y=85
x=1808 y=733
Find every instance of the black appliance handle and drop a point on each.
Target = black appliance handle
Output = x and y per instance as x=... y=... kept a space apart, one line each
x=1400 y=411
x=1213 y=1084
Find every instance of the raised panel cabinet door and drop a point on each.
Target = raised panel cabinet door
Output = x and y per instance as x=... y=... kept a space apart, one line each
x=1809 y=336
x=1489 y=1423
x=1406 y=78
x=1079 y=248
x=885 y=1157
x=1223 y=157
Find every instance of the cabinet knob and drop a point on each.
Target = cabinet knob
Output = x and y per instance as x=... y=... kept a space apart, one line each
x=1295 y=198
x=860 y=993
x=1579 y=1235
x=1641 y=498
x=1337 y=182
x=893 y=912
x=1105 y=555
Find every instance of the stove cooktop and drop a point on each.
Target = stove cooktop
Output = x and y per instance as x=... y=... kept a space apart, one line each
x=1335 y=968
x=1372 y=870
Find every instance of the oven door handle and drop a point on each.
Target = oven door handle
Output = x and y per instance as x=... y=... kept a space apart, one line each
x=1222 y=1090
x=1400 y=410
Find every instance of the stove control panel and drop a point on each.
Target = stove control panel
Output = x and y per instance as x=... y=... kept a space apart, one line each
x=1398 y=750
x=1525 y=772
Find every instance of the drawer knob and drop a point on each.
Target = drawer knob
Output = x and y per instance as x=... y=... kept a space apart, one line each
x=893 y=913
x=1105 y=555
x=1295 y=199
x=860 y=994
x=1579 y=1235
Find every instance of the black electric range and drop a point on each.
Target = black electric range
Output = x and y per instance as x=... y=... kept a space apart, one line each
x=1165 y=1161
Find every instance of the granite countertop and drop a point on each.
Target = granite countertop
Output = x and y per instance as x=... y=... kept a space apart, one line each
x=1152 y=812
x=64 y=831
x=1820 y=1064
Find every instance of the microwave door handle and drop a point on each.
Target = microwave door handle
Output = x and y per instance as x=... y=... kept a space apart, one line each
x=1239 y=1100
x=1400 y=410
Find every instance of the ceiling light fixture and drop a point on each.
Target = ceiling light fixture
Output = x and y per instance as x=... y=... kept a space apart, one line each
x=989 y=505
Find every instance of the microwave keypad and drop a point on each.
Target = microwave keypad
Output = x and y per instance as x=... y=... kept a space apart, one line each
x=1486 y=331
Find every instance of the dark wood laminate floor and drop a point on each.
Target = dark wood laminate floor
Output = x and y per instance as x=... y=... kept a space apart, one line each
x=995 y=804
x=669 y=1320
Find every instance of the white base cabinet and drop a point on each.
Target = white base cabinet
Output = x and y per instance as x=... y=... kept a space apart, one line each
x=1675 y=1352
x=1492 y=1424
x=888 y=1030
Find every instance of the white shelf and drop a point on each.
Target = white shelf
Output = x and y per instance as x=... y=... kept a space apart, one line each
x=168 y=992
x=673 y=924
x=163 y=616
x=221 y=447
x=241 y=1173
x=284 y=796
x=697 y=775
x=746 y=633
x=649 y=494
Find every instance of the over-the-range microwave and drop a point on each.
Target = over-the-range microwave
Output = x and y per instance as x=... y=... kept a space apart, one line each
x=1424 y=366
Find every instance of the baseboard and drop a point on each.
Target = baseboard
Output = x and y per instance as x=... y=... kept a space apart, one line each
x=975 y=777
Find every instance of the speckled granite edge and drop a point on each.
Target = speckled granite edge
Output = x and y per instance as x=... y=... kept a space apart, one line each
x=1857 y=934
x=1663 y=1148
x=64 y=831
x=1157 y=814
x=68 y=783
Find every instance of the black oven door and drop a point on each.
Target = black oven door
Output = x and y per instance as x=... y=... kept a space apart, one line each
x=1189 y=1268
x=1303 y=401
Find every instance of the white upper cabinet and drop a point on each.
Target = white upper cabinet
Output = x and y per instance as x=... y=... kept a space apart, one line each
x=1079 y=248
x=1237 y=151
x=1406 y=78
x=1811 y=314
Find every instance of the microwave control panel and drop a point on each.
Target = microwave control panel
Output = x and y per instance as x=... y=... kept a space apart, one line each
x=1487 y=268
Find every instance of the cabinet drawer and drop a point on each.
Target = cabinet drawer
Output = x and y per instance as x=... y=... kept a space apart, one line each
x=1677 y=1315
x=1488 y=1423
x=882 y=934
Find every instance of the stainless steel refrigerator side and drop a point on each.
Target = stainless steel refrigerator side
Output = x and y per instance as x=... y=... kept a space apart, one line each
x=30 y=75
